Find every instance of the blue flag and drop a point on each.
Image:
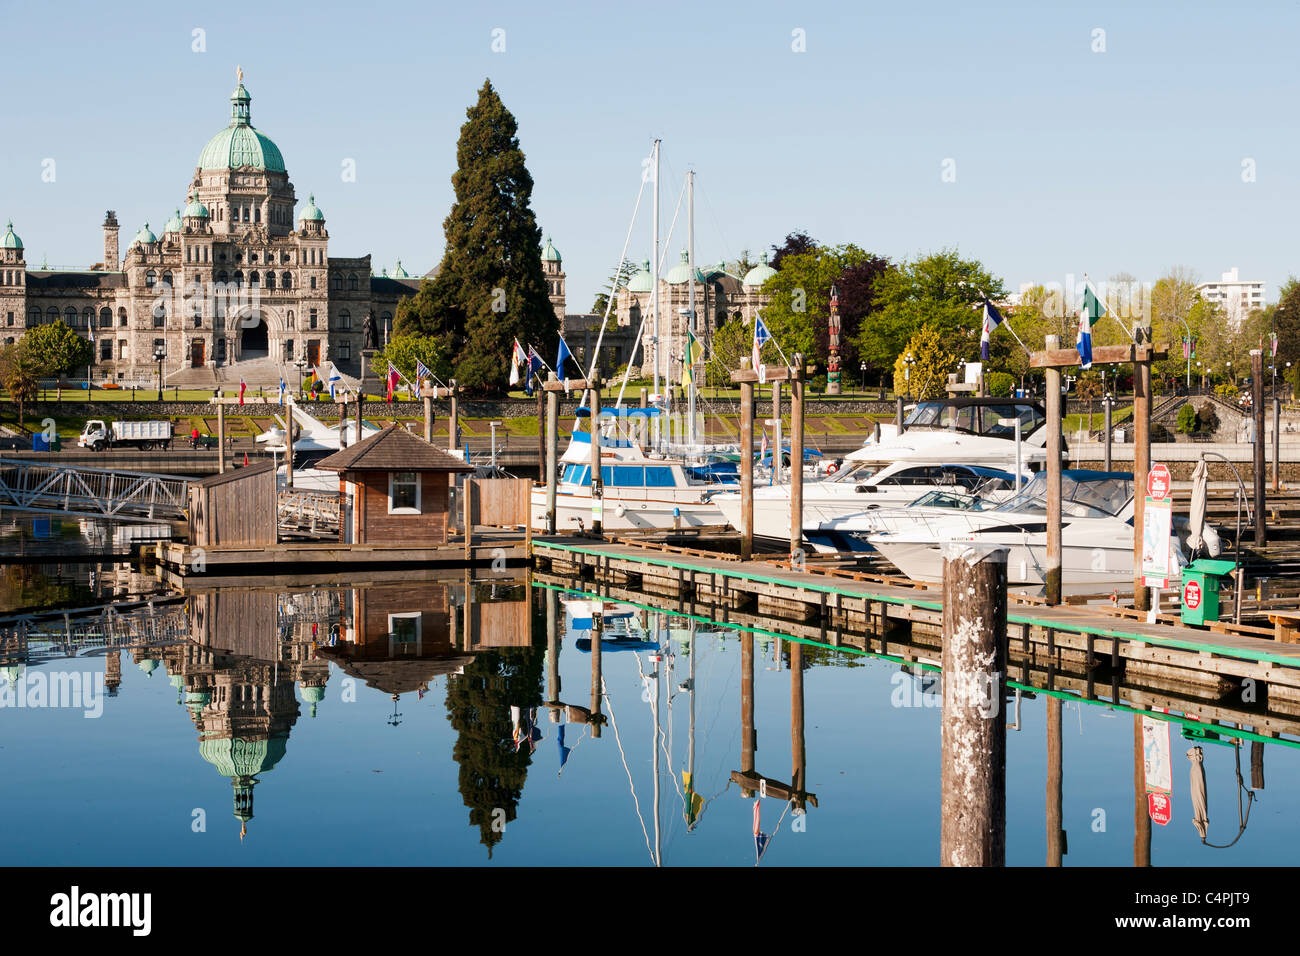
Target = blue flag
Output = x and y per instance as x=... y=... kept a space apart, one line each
x=282 y=391
x=560 y=356
x=1091 y=312
x=422 y=371
x=992 y=319
x=761 y=335
x=534 y=368
x=564 y=751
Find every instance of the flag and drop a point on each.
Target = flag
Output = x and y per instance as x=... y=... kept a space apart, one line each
x=282 y=387
x=1091 y=312
x=393 y=376
x=1187 y=347
x=534 y=367
x=1273 y=343
x=564 y=751
x=694 y=353
x=561 y=354
x=760 y=838
x=422 y=371
x=242 y=387
x=517 y=358
x=334 y=377
x=761 y=335
x=245 y=459
x=694 y=802
x=762 y=448
x=992 y=319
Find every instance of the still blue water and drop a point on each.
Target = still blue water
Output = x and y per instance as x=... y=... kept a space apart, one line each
x=445 y=774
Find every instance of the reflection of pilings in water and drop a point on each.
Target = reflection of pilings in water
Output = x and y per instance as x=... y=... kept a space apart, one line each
x=1055 y=835
x=747 y=741
x=798 y=753
x=1141 y=822
x=552 y=656
x=597 y=635
x=51 y=638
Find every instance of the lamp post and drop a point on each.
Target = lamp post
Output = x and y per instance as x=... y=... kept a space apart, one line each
x=862 y=367
x=160 y=353
x=907 y=374
x=301 y=365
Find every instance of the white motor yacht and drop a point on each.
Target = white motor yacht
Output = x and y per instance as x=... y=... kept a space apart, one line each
x=942 y=442
x=1096 y=533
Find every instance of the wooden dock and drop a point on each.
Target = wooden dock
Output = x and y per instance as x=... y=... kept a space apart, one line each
x=1105 y=645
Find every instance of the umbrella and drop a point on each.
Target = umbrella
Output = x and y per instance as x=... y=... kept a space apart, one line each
x=1196 y=516
x=1200 y=801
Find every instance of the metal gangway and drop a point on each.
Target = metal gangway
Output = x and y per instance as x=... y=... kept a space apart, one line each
x=310 y=512
x=97 y=492
x=47 y=636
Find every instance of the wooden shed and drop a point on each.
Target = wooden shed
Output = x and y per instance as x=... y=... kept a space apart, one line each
x=394 y=489
x=236 y=509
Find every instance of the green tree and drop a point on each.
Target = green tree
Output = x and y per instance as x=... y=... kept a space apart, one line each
x=730 y=343
x=493 y=767
x=610 y=291
x=490 y=288
x=941 y=292
x=405 y=349
x=799 y=300
x=56 y=349
x=1284 y=319
x=923 y=365
x=19 y=373
x=1187 y=419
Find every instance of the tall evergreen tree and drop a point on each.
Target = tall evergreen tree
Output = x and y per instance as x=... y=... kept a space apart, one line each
x=490 y=288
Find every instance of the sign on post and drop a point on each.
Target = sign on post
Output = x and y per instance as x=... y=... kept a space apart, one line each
x=1158 y=482
x=1157 y=769
x=1157 y=526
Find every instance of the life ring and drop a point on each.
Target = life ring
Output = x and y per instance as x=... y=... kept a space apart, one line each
x=832 y=468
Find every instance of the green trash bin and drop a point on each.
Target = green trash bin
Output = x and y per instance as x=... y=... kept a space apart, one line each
x=1201 y=590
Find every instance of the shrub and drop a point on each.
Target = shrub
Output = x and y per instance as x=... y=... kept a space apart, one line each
x=999 y=384
x=1187 y=419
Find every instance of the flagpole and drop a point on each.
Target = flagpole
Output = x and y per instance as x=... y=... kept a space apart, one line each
x=690 y=266
x=654 y=296
x=1087 y=283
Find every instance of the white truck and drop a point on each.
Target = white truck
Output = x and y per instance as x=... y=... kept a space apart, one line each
x=98 y=435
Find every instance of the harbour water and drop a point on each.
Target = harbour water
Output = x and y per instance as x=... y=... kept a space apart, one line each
x=405 y=721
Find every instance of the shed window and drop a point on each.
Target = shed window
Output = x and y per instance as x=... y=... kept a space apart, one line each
x=404 y=493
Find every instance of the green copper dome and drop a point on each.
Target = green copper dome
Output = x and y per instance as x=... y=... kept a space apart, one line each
x=239 y=144
x=145 y=235
x=174 y=223
x=756 y=276
x=312 y=212
x=681 y=272
x=11 y=240
x=196 y=210
x=242 y=758
x=399 y=272
x=643 y=281
x=148 y=665
x=550 y=253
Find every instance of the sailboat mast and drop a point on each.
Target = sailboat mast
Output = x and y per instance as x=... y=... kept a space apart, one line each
x=654 y=295
x=690 y=307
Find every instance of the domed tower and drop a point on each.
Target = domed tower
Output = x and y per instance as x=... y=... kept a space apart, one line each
x=311 y=222
x=13 y=279
x=241 y=176
x=553 y=268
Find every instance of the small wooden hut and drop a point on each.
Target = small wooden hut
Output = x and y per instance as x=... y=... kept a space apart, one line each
x=236 y=509
x=394 y=489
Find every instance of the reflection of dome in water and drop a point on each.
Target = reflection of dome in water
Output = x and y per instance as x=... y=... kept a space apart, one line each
x=196 y=700
x=178 y=681
x=241 y=761
x=13 y=673
x=313 y=696
x=148 y=665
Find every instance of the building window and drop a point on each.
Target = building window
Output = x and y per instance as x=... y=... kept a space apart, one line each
x=239 y=277
x=105 y=350
x=257 y=214
x=121 y=318
x=311 y=319
x=88 y=317
x=404 y=630
x=270 y=280
x=221 y=349
x=288 y=350
x=254 y=279
x=246 y=219
x=223 y=276
x=198 y=321
x=352 y=283
x=9 y=319
x=312 y=282
x=51 y=315
x=150 y=278
x=345 y=351
x=121 y=349
x=33 y=316
x=336 y=283
x=286 y=280
x=105 y=318
x=345 y=320
x=167 y=278
x=70 y=317
x=404 y=493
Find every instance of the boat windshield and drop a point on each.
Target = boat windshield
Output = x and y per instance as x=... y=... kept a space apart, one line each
x=1083 y=495
x=992 y=421
x=948 y=499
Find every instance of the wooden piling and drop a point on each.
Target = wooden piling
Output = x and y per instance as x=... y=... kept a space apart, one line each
x=221 y=440
x=1052 y=568
x=552 y=655
x=597 y=679
x=541 y=427
x=453 y=424
x=1141 y=461
x=360 y=402
x=597 y=488
x=973 y=803
x=428 y=419
x=1277 y=444
x=1108 y=403
x=1257 y=407
x=1055 y=835
x=1257 y=765
x=343 y=424
x=551 y=461
x=796 y=460
x=746 y=465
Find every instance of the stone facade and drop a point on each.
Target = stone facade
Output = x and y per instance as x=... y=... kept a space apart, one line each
x=234 y=286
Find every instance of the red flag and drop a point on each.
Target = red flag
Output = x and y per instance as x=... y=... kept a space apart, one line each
x=242 y=387
x=245 y=459
x=392 y=381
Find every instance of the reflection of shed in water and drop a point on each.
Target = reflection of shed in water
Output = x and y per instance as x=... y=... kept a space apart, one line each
x=396 y=638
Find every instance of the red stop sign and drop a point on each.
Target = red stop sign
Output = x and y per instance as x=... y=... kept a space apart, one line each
x=1192 y=595
x=1160 y=806
x=1158 y=482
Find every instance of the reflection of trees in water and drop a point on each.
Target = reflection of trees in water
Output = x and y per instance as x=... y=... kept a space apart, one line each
x=29 y=587
x=492 y=773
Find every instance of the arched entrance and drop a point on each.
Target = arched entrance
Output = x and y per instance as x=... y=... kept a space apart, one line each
x=253 y=342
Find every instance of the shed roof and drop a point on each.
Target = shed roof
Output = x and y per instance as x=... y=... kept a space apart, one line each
x=235 y=474
x=393 y=449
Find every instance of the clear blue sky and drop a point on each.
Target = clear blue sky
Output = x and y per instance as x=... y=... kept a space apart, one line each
x=1066 y=160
